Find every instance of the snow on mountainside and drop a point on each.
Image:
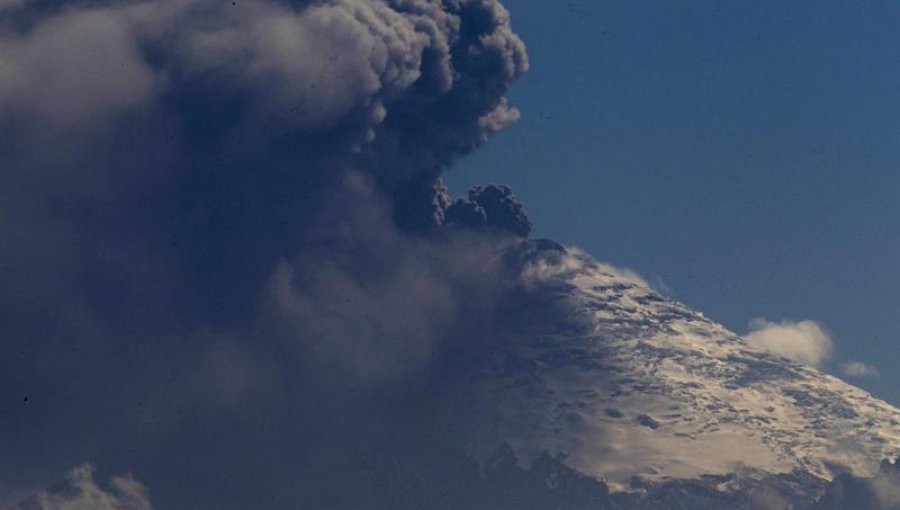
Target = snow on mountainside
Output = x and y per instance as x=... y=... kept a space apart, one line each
x=622 y=384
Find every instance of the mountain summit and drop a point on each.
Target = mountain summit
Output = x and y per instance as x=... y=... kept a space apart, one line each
x=624 y=385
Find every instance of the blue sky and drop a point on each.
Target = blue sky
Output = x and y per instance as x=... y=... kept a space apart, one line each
x=744 y=154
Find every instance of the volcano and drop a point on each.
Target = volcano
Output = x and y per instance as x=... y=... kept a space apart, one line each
x=609 y=380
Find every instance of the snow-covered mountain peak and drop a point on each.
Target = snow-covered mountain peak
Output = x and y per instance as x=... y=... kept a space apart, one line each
x=624 y=384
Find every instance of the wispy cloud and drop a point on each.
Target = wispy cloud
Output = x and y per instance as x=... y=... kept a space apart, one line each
x=804 y=341
x=81 y=491
x=858 y=369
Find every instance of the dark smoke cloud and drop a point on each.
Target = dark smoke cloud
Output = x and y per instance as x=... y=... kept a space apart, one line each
x=493 y=205
x=375 y=303
x=880 y=492
x=223 y=228
x=210 y=132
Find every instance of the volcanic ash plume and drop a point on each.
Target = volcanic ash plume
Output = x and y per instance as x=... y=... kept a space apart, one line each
x=229 y=258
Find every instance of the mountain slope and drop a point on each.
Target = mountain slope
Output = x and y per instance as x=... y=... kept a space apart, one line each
x=588 y=390
x=626 y=385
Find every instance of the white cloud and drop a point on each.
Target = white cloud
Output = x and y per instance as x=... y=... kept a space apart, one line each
x=858 y=369
x=572 y=261
x=803 y=341
x=81 y=492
